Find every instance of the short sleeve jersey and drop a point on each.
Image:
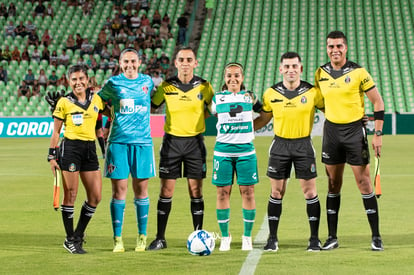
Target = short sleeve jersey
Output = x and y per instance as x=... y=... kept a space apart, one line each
x=185 y=105
x=130 y=108
x=293 y=111
x=79 y=119
x=235 y=131
x=343 y=91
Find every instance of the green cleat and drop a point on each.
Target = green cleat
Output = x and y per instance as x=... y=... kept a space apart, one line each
x=141 y=243
x=118 y=245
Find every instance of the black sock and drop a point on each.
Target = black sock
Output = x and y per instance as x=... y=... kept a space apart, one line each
x=67 y=216
x=274 y=210
x=197 y=212
x=163 y=211
x=313 y=209
x=102 y=144
x=84 y=218
x=371 y=208
x=333 y=202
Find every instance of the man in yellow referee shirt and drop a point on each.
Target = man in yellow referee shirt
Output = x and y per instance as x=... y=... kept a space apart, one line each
x=186 y=98
x=344 y=84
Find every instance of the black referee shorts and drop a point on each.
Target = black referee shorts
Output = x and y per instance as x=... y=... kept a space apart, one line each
x=176 y=152
x=287 y=152
x=78 y=155
x=345 y=143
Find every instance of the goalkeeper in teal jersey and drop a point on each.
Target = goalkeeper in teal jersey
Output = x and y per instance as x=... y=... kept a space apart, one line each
x=234 y=152
x=130 y=148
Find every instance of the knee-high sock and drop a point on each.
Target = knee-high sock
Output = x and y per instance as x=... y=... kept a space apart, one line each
x=274 y=210
x=163 y=211
x=197 y=212
x=117 y=215
x=248 y=221
x=313 y=209
x=371 y=208
x=142 y=209
x=67 y=216
x=223 y=219
x=333 y=202
x=84 y=218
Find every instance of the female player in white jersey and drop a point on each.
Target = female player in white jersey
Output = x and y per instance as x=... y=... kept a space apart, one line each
x=234 y=152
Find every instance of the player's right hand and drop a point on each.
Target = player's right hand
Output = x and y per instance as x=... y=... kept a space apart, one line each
x=53 y=97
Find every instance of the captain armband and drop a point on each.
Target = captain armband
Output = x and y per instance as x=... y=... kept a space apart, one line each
x=379 y=115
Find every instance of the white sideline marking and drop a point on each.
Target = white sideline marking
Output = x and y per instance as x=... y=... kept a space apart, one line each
x=252 y=259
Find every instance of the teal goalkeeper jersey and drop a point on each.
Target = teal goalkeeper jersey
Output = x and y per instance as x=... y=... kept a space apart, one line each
x=235 y=131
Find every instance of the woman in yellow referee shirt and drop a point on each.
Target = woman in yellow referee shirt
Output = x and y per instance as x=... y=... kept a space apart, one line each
x=76 y=155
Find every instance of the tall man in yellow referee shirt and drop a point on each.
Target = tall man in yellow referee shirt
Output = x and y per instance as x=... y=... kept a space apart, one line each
x=186 y=98
x=344 y=84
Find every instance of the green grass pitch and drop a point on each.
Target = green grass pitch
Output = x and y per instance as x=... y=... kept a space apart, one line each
x=31 y=232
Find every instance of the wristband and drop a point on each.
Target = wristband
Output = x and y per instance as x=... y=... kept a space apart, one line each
x=52 y=154
x=379 y=115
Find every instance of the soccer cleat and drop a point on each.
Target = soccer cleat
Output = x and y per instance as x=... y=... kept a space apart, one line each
x=118 y=245
x=272 y=245
x=71 y=246
x=247 y=243
x=79 y=245
x=141 y=243
x=225 y=243
x=376 y=244
x=157 y=244
x=314 y=245
x=331 y=243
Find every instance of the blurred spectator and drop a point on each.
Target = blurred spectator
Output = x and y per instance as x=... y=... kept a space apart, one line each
x=25 y=54
x=140 y=36
x=121 y=37
x=29 y=78
x=9 y=30
x=93 y=64
x=182 y=23
x=16 y=54
x=145 y=21
x=12 y=10
x=102 y=37
x=53 y=60
x=156 y=18
x=63 y=81
x=33 y=39
x=21 y=29
x=87 y=8
x=36 y=55
x=166 y=19
x=103 y=64
x=3 y=74
x=144 y=5
x=70 y=43
x=116 y=25
x=116 y=51
x=49 y=10
x=86 y=47
x=165 y=66
x=46 y=38
x=53 y=79
x=24 y=90
x=107 y=24
x=45 y=54
x=6 y=54
x=135 y=22
x=63 y=58
x=156 y=78
x=30 y=27
x=40 y=9
x=42 y=79
x=111 y=63
x=79 y=41
x=80 y=61
x=209 y=6
x=131 y=36
x=164 y=31
x=149 y=42
x=36 y=88
x=105 y=54
x=3 y=10
x=126 y=21
x=157 y=42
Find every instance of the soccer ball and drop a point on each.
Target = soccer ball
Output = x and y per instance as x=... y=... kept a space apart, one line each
x=200 y=243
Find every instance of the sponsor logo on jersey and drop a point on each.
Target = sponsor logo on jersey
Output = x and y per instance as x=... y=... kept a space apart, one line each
x=323 y=79
x=303 y=100
x=145 y=89
x=276 y=100
x=347 y=79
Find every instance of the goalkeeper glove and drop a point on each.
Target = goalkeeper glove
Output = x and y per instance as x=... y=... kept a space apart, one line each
x=53 y=97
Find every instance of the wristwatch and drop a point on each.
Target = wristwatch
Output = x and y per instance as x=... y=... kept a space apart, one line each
x=378 y=133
